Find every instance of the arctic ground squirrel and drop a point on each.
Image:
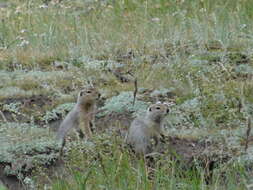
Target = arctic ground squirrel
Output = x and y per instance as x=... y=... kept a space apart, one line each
x=82 y=116
x=145 y=129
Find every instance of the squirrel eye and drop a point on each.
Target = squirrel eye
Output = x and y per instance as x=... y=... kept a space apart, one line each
x=158 y=108
x=88 y=91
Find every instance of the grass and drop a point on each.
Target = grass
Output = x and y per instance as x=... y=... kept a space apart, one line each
x=70 y=31
x=202 y=49
x=109 y=168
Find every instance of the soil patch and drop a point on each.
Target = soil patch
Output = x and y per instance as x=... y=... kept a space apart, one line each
x=26 y=105
x=11 y=182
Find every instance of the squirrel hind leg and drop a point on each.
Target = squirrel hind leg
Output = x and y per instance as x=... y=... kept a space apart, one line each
x=92 y=126
x=62 y=146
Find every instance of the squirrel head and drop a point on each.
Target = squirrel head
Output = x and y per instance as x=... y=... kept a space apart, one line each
x=157 y=112
x=88 y=95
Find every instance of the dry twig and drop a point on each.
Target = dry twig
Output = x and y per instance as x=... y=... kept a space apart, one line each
x=247 y=134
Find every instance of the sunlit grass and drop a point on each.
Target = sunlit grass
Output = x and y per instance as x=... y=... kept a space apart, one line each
x=30 y=31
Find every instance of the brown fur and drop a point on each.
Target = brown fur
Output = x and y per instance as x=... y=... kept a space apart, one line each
x=82 y=115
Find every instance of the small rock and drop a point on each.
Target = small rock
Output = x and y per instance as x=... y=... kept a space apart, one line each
x=155 y=19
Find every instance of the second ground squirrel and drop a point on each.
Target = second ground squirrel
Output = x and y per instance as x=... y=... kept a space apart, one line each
x=144 y=129
x=82 y=116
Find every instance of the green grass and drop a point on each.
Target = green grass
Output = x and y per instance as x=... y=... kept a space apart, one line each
x=103 y=30
x=109 y=168
x=203 y=49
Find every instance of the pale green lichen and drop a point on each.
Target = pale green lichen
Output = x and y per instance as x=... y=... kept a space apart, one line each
x=123 y=103
x=25 y=146
x=12 y=107
x=30 y=183
x=93 y=64
x=187 y=114
x=244 y=69
x=57 y=112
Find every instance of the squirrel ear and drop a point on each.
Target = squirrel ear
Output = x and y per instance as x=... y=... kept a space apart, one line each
x=81 y=93
x=150 y=109
x=168 y=110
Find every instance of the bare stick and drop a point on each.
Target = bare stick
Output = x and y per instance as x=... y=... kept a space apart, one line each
x=135 y=89
x=248 y=134
x=240 y=105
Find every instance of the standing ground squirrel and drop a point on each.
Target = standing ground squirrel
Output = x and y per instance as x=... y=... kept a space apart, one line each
x=82 y=116
x=144 y=129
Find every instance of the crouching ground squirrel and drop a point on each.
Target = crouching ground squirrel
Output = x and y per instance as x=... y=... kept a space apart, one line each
x=144 y=129
x=82 y=116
